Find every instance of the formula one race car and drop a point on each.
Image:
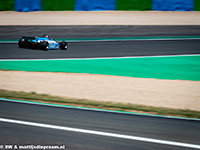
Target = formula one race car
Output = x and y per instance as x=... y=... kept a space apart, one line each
x=44 y=43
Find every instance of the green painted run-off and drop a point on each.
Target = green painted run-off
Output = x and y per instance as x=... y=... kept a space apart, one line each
x=131 y=38
x=173 y=67
x=113 y=39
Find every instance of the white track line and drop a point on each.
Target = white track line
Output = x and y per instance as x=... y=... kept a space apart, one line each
x=101 y=133
x=126 y=57
x=115 y=40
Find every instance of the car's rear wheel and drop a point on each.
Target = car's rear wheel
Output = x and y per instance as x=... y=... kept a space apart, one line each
x=22 y=43
x=64 y=45
x=44 y=46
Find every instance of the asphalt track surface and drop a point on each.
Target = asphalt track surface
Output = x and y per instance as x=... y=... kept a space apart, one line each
x=185 y=131
x=105 y=49
x=98 y=31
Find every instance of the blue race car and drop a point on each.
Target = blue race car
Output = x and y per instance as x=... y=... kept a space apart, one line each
x=44 y=43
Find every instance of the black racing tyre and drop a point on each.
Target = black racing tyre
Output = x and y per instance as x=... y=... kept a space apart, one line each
x=30 y=45
x=64 y=45
x=44 y=46
x=22 y=43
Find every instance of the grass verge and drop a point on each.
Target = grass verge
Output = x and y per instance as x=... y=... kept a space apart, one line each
x=98 y=104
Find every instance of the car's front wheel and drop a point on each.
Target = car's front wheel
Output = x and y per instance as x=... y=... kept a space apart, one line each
x=64 y=45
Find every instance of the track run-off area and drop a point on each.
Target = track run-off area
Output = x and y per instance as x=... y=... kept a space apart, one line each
x=23 y=123
x=174 y=59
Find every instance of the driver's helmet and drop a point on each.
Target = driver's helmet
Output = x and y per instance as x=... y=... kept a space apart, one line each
x=46 y=36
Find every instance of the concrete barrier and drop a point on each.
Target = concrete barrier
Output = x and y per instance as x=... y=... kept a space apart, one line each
x=173 y=5
x=58 y=5
x=6 y=5
x=99 y=5
x=197 y=5
x=27 y=5
x=138 y=5
x=94 y=5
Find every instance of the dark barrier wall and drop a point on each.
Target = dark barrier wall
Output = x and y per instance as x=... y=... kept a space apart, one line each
x=57 y=5
x=197 y=5
x=133 y=4
x=6 y=5
x=94 y=5
x=173 y=5
x=27 y=5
